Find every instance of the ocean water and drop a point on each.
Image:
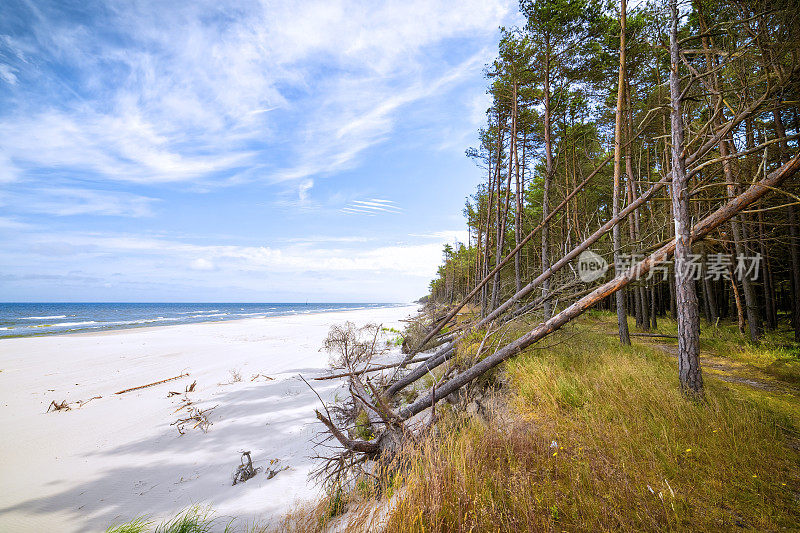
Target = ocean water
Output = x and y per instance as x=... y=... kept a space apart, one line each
x=29 y=319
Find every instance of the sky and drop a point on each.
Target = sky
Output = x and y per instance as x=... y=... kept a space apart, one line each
x=237 y=151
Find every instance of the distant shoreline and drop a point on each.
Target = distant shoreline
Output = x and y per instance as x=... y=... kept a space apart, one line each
x=113 y=457
x=98 y=318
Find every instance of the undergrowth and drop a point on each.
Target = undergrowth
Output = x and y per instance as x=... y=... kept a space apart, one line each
x=593 y=436
x=599 y=437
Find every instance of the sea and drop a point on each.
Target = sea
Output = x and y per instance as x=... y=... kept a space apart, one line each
x=32 y=319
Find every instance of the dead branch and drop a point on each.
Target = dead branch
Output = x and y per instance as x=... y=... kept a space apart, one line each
x=63 y=406
x=81 y=403
x=700 y=231
x=151 y=384
x=196 y=415
x=370 y=369
x=363 y=446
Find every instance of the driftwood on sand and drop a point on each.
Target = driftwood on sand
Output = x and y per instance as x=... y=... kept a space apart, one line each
x=151 y=384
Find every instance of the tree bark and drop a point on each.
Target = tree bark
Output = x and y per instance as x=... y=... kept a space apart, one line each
x=622 y=319
x=548 y=176
x=518 y=195
x=689 y=372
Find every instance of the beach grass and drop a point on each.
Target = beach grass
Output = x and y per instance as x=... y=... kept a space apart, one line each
x=596 y=436
x=585 y=434
x=194 y=519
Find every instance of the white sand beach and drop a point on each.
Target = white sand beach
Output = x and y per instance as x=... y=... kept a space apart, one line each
x=117 y=457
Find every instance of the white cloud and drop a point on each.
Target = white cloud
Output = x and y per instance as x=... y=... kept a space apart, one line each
x=185 y=97
x=371 y=207
x=477 y=109
x=411 y=259
x=71 y=201
x=7 y=74
x=201 y=264
x=303 y=189
x=166 y=267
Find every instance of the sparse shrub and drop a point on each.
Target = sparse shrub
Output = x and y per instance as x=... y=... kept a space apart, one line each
x=362 y=428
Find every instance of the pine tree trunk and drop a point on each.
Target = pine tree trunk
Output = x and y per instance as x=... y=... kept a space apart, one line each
x=794 y=244
x=769 y=293
x=795 y=255
x=518 y=195
x=622 y=319
x=689 y=371
x=488 y=232
x=653 y=306
x=548 y=179
x=708 y=291
x=497 y=175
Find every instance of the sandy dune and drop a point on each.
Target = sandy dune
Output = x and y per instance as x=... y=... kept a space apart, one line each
x=118 y=457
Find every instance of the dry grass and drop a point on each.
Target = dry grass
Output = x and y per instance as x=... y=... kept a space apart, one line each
x=600 y=438
x=595 y=437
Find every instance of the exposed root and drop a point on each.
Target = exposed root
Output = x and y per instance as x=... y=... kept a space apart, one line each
x=245 y=470
x=63 y=406
x=197 y=417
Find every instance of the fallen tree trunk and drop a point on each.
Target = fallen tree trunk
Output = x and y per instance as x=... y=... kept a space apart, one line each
x=445 y=353
x=700 y=231
x=511 y=255
x=449 y=351
x=720 y=134
x=375 y=368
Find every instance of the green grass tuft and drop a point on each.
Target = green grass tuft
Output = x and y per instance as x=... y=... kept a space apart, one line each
x=138 y=525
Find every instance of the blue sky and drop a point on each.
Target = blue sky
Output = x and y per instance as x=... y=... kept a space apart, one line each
x=237 y=151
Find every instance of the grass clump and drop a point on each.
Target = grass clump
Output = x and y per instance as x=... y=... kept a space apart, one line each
x=191 y=520
x=138 y=525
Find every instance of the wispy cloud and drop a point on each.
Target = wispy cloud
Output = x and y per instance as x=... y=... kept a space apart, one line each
x=71 y=201
x=410 y=259
x=446 y=236
x=128 y=109
x=371 y=207
x=10 y=223
x=200 y=91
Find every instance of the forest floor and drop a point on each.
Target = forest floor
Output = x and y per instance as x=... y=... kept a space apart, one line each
x=771 y=367
x=591 y=435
